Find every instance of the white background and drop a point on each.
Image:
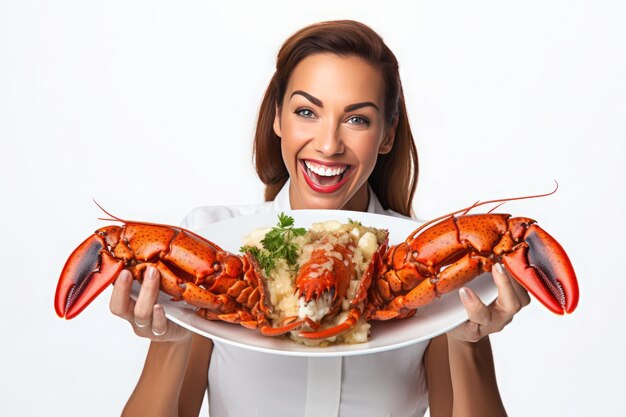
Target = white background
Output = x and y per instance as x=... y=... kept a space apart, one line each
x=149 y=107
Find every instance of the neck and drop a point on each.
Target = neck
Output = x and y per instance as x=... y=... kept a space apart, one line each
x=359 y=201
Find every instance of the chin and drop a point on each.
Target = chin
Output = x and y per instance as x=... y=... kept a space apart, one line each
x=325 y=204
x=323 y=201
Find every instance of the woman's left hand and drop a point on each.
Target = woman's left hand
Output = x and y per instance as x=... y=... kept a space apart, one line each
x=484 y=320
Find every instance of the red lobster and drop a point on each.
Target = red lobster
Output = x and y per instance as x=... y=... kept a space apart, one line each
x=440 y=256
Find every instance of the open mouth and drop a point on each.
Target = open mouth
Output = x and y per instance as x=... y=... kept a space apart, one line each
x=324 y=177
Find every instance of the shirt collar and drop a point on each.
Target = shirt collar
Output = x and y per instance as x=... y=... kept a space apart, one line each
x=374 y=205
x=281 y=201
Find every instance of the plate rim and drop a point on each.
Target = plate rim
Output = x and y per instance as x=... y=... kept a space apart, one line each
x=185 y=316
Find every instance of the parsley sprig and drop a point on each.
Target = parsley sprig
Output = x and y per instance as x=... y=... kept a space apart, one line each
x=277 y=243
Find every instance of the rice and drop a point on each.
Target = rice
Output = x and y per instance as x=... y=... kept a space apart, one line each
x=364 y=242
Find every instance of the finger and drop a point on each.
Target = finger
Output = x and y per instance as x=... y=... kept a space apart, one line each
x=159 y=321
x=121 y=304
x=477 y=311
x=147 y=297
x=522 y=293
x=507 y=297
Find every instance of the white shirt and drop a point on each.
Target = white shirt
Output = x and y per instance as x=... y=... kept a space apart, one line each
x=246 y=383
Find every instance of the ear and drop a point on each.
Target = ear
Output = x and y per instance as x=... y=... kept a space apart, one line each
x=277 y=128
x=387 y=144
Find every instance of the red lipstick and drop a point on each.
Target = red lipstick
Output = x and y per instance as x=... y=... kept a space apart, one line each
x=322 y=188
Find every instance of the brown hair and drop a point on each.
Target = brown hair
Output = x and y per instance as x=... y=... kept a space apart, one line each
x=394 y=177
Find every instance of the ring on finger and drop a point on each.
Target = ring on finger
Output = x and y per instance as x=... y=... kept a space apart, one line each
x=141 y=326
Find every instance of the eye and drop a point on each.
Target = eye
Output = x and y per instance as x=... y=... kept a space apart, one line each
x=305 y=112
x=359 y=120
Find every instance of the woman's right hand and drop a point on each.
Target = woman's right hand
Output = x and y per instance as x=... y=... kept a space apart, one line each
x=145 y=316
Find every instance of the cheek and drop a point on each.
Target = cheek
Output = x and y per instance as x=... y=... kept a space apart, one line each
x=298 y=133
x=366 y=150
x=295 y=137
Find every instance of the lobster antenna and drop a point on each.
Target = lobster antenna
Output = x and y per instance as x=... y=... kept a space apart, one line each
x=112 y=219
x=491 y=211
x=471 y=207
x=504 y=200
x=115 y=218
x=477 y=204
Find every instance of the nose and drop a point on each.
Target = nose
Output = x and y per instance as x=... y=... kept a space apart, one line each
x=328 y=141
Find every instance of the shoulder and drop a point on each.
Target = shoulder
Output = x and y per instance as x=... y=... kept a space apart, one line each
x=203 y=216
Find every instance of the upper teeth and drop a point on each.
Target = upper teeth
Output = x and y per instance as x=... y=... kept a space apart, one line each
x=325 y=171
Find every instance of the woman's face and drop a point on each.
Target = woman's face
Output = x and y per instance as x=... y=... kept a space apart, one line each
x=332 y=129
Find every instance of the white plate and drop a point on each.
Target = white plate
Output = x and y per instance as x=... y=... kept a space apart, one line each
x=430 y=321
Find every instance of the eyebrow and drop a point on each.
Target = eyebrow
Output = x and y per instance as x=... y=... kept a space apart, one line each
x=348 y=108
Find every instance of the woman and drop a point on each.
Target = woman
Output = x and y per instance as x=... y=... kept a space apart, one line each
x=332 y=133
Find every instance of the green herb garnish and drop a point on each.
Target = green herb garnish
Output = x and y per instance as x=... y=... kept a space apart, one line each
x=358 y=223
x=277 y=244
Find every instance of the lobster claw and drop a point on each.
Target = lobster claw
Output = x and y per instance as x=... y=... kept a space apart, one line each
x=87 y=272
x=543 y=268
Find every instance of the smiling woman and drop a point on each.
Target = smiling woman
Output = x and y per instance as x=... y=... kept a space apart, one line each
x=336 y=101
x=333 y=133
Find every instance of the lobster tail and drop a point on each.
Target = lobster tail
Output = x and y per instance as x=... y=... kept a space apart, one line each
x=87 y=272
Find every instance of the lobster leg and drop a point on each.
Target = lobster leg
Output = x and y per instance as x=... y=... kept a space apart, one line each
x=169 y=283
x=543 y=268
x=353 y=316
x=88 y=271
x=249 y=321
x=242 y=317
x=453 y=277
x=289 y=324
x=199 y=297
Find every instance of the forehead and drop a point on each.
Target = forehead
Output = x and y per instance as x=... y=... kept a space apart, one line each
x=344 y=79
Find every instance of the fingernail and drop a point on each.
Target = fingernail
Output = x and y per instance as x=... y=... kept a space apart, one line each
x=151 y=273
x=141 y=326
x=499 y=268
x=124 y=276
x=465 y=294
x=158 y=333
